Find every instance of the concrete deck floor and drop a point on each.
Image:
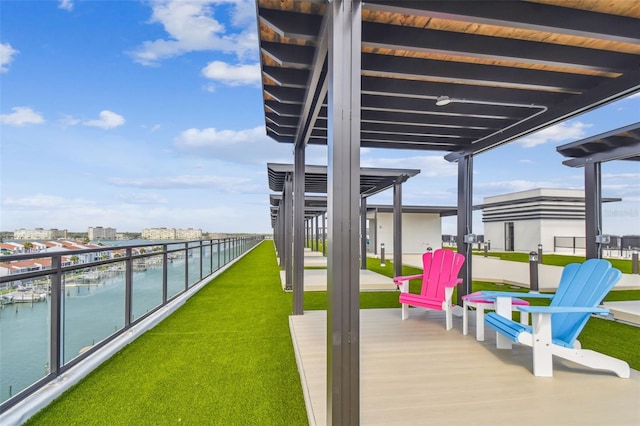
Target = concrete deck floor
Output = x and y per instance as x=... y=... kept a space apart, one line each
x=316 y=280
x=414 y=372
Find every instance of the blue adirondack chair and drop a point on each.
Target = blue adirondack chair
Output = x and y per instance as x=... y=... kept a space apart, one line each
x=555 y=328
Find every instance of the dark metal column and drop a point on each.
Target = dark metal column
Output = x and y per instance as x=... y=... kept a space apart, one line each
x=465 y=205
x=298 y=230
x=128 y=289
x=397 y=228
x=593 y=209
x=317 y=233
x=363 y=233
x=288 y=232
x=324 y=234
x=57 y=298
x=343 y=321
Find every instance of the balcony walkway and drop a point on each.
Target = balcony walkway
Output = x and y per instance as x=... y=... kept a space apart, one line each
x=414 y=372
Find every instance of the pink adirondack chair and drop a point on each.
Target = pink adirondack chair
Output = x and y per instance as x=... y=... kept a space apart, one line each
x=439 y=277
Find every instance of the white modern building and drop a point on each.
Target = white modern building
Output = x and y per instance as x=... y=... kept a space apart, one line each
x=519 y=221
x=39 y=234
x=99 y=233
x=171 y=234
x=421 y=228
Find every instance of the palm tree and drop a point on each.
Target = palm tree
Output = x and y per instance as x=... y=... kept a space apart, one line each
x=74 y=259
x=27 y=246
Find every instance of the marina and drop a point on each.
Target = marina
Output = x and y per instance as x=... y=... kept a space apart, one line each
x=93 y=308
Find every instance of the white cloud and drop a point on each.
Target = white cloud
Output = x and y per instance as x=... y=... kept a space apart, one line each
x=233 y=75
x=192 y=26
x=107 y=120
x=430 y=165
x=634 y=96
x=505 y=187
x=66 y=5
x=222 y=183
x=69 y=120
x=6 y=56
x=142 y=198
x=34 y=201
x=21 y=116
x=559 y=132
x=239 y=146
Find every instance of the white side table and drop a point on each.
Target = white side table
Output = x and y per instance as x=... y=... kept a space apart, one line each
x=481 y=303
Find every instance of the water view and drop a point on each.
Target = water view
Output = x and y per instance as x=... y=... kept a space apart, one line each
x=93 y=308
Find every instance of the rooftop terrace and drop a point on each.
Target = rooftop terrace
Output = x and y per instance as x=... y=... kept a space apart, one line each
x=228 y=356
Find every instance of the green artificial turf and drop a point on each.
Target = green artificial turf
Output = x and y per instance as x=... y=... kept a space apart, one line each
x=224 y=358
x=601 y=335
x=624 y=265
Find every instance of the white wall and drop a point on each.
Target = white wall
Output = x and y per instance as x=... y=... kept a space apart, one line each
x=529 y=233
x=419 y=231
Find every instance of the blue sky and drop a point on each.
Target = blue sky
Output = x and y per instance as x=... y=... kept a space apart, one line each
x=135 y=114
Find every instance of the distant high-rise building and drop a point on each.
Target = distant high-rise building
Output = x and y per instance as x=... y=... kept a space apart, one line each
x=171 y=234
x=39 y=234
x=100 y=233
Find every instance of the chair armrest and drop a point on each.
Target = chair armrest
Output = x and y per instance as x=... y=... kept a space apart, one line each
x=562 y=309
x=453 y=283
x=516 y=294
x=407 y=278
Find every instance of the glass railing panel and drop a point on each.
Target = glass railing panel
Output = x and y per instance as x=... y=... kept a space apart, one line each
x=194 y=265
x=24 y=334
x=92 y=305
x=175 y=273
x=206 y=259
x=146 y=285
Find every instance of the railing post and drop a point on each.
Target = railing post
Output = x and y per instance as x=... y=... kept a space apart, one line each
x=218 y=250
x=210 y=257
x=186 y=266
x=634 y=261
x=128 y=288
x=55 y=344
x=533 y=271
x=165 y=267
x=201 y=259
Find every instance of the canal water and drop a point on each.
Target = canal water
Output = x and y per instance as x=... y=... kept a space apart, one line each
x=93 y=309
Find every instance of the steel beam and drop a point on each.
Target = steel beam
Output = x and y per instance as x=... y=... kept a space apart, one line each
x=397 y=229
x=298 y=230
x=343 y=319
x=363 y=233
x=287 y=197
x=593 y=209
x=465 y=221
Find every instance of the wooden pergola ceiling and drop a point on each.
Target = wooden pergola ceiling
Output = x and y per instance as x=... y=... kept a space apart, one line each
x=618 y=144
x=372 y=180
x=509 y=68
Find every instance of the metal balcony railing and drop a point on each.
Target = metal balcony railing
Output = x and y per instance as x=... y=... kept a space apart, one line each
x=60 y=307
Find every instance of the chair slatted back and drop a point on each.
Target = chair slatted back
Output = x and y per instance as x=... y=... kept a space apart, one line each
x=581 y=285
x=439 y=267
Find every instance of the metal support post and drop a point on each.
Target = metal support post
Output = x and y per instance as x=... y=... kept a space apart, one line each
x=128 y=289
x=464 y=228
x=363 y=233
x=299 y=229
x=343 y=283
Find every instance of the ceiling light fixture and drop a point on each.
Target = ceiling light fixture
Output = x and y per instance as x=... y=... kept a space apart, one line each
x=443 y=100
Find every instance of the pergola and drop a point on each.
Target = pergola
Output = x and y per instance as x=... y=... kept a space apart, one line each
x=371 y=181
x=451 y=76
x=590 y=153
